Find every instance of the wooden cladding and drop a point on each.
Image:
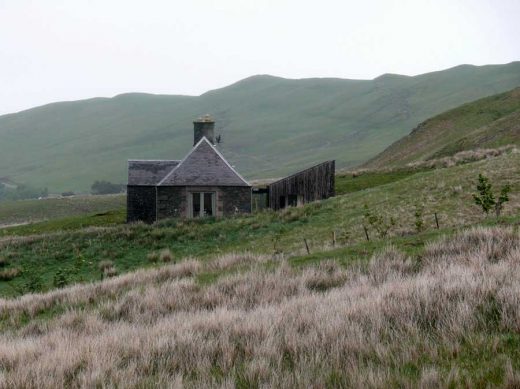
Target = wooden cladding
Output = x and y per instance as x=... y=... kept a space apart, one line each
x=314 y=183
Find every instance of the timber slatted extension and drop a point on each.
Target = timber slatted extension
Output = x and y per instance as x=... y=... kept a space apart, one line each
x=314 y=183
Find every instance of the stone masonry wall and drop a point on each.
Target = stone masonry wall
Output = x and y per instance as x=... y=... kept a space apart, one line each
x=171 y=202
x=235 y=199
x=140 y=201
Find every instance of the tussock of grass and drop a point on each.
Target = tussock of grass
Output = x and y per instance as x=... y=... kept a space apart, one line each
x=9 y=274
x=463 y=157
x=451 y=320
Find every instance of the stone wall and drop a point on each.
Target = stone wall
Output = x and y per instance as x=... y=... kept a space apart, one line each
x=171 y=202
x=140 y=204
x=235 y=199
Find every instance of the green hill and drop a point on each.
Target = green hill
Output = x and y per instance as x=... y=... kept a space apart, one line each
x=270 y=126
x=486 y=123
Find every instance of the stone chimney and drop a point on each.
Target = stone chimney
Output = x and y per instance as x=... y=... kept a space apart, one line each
x=204 y=126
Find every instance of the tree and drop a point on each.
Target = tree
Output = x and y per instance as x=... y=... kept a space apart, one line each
x=106 y=187
x=418 y=214
x=503 y=198
x=379 y=223
x=486 y=199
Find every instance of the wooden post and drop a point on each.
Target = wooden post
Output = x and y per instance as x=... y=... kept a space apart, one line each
x=306 y=246
x=436 y=220
x=334 y=238
x=366 y=233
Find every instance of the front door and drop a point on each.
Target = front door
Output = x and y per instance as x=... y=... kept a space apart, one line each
x=202 y=204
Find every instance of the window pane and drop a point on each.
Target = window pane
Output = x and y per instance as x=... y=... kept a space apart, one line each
x=208 y=204
x=196 y=204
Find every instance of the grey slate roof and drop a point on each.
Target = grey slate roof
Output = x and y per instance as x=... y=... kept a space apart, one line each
x=204 y=166
x=149 y=172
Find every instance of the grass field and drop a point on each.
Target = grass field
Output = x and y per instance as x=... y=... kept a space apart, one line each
x=65 y=246
x=446 y=318
x=23 y=211
x=239 y=302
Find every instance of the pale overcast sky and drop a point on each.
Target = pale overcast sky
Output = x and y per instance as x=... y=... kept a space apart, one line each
x=54 y=50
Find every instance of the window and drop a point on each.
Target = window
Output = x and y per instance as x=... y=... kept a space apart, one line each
x=292 y=200
x=202 y=204
x=282 y=202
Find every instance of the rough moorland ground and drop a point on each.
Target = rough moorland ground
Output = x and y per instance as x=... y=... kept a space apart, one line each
x=41 y=256
x=447 y=319
x=30 y=211
x=487 y=123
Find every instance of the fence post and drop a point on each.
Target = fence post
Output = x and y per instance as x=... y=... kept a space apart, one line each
x=306 y=246
x=366 y=233
x=436 y=220
x=334 y=238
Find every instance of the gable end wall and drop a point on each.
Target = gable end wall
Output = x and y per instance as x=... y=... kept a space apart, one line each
x=140 y=204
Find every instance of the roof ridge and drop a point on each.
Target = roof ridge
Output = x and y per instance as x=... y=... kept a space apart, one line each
x=228 y=164
x=154 y=160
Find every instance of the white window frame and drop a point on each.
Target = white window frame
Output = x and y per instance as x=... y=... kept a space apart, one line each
x=201 y=211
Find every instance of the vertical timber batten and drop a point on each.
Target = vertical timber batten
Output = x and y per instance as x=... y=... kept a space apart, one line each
x=312 y=184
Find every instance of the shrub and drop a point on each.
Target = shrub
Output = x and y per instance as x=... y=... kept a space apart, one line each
x=344 y=236
x=9 y=274
x=60 y=279
x=34 y=283
x=110 y=272
x=503 y=198
x=153 y=257
x=104 y=265
x=166 y=255
x=106 y=187
x=378 y=222
x=486 y=199
x=418 y=214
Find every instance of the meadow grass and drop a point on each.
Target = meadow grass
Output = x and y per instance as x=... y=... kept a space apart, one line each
x=449 y=319
x=42 y=250
x=31 y=211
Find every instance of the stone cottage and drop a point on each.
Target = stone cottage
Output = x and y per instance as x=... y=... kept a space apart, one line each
x=202 y=184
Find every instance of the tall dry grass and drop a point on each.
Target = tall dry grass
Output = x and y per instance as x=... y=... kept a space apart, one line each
x=284 y=327
x=462 y=157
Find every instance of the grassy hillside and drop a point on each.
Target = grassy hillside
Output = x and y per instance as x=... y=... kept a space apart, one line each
x=240 y=303
x=48 y=248
x=30 y=211
x=486 y=123
x=270 y=126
